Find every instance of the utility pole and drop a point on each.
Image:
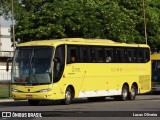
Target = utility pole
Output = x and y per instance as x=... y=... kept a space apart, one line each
x=13 y=31
x=0 y=30
x=145 y=26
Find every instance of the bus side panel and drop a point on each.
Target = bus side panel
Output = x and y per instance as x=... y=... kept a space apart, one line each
x=74 y=76
x=108 y=79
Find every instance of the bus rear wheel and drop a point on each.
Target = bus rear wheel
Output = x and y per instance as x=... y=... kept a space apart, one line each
x=34 y=102
x=132 y=93
x=125 y=92
x=68 y=97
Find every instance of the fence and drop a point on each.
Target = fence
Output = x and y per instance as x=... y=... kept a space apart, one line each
x=5 y=79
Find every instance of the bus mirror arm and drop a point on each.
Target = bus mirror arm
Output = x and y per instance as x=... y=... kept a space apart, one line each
x=7 y=65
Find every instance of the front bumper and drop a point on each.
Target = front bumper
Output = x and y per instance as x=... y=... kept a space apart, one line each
x=32 y=96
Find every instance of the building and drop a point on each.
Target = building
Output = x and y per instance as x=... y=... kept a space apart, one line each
x=6 y=39
x=6 y=49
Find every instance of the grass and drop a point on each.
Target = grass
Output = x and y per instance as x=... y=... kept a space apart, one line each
x=4 y=91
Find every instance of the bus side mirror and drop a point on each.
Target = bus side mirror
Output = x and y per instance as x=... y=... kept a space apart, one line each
x=57 y=63
x=7 y=65
x=57 y=60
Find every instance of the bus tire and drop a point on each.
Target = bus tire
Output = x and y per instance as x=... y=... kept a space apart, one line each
x=34 y=102
x=132 y=93
x=68 y=96
x=124 y=95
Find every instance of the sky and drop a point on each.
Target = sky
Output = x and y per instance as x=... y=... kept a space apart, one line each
x=5 y=23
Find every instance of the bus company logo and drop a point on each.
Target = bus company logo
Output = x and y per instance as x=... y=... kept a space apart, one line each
x=6 y=114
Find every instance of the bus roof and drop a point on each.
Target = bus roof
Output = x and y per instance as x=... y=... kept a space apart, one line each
x=79 y=41
x=155 y=56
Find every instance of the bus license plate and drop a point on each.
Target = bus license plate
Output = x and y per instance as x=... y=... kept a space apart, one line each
x=28 y=96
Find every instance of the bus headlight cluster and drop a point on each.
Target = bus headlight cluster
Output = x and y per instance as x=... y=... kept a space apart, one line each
x=45 y=90
x=15 y=90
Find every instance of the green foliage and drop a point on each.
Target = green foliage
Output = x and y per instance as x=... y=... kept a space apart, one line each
x=118 y=20
x=153 y=22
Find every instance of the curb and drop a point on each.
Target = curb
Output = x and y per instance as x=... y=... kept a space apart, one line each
x=9 y=100
x=6 y=100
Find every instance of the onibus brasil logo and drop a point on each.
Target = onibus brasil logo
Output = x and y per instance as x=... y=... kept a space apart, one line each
x=21 y=114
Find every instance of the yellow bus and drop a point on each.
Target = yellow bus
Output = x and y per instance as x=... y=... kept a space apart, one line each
x=69 y=68
x=155 y=58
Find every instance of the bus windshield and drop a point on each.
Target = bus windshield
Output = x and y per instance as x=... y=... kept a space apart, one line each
x=32 y=65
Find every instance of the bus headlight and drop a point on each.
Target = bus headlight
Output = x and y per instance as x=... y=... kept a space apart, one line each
x=15 y=90
x=45 y=90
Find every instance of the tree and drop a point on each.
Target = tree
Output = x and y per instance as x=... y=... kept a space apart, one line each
x=117 y=20
x=153 y=20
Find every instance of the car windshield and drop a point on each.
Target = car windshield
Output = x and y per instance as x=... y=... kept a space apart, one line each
x=32 y=65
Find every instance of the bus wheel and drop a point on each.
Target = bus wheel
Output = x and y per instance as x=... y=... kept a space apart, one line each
x=34 y=102
x=125 y=92
x=132 y=93
x=68 y=96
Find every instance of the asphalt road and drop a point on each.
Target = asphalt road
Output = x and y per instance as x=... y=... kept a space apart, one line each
x=144 y=106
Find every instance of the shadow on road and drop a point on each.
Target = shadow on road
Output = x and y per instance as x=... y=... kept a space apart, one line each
x=79 y=101
x=45 y=103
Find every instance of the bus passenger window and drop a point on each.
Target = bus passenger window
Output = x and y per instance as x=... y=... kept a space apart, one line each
x=126 y=57
x=147 y=55
x=141 y=55
x=84 y=54
x=117 y=56
x=135 y=56
x=92 y=55
x=72 y=59
x=108 y=59
x=73 y=54
x=101 y=55
x=129 y=56
x=108 y=55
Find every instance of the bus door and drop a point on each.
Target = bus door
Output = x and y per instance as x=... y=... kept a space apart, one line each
x=155 y=75
x=74 y=69
x=59 y=64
